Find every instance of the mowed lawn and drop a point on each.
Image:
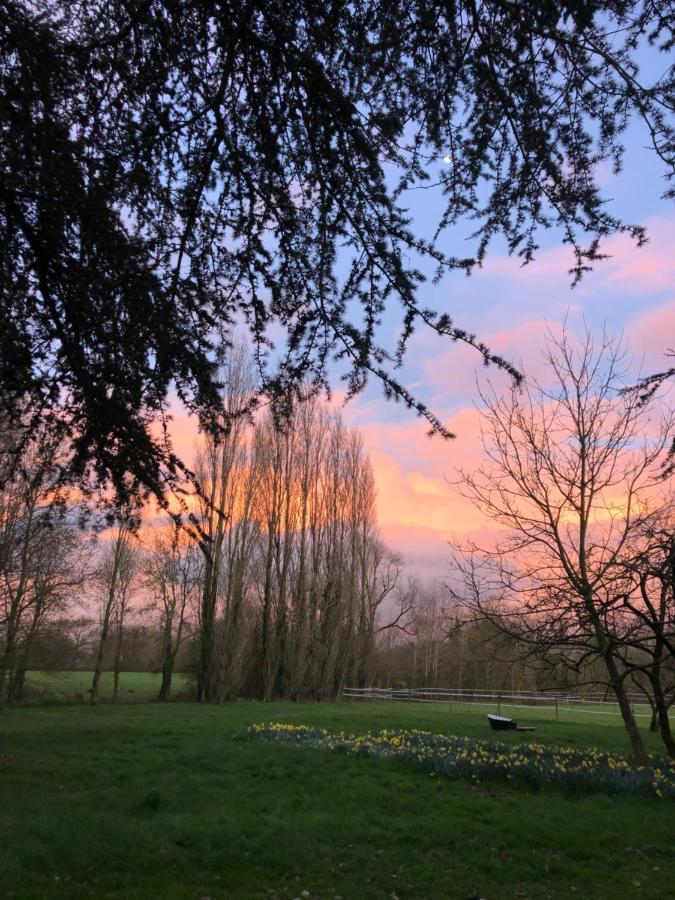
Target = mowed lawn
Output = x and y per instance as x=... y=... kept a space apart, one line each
x=164 y=801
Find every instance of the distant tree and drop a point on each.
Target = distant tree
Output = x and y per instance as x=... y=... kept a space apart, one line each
x=59 y=558
x=382 y=571
x=428 y=629
x=127 y=571
x=113 y=579
x=170 y=168
x=62 y=644
x=571 y=471
x=42 y=556
x=225 y=481
x=174 y=576
x=295 y=573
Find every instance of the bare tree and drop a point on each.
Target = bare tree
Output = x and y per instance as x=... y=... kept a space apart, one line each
x=60 y=559
x=41 y=557
x=381 y=573
x=114 y=576
x=218 y=467
x=174 y=576
x=294 y=569
x=571 y=470
x=428 y=630
x=127 y=571
x=650 y=606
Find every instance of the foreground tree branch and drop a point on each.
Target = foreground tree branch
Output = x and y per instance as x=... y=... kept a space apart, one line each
x=173 y=168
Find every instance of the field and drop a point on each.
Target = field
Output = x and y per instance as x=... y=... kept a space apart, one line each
x=135 y=687
x=73 y=686
x=176 y=801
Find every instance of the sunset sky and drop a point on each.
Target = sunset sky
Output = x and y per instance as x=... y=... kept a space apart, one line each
x=509 y=308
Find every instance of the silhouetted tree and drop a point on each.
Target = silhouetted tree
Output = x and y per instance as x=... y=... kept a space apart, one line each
x=650 y=606
x=115 y=576
x=169 y=168
x=42 y=558
x=174 y=575
x=571 y=471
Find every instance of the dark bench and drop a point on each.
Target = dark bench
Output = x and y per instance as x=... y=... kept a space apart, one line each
x=502 y=723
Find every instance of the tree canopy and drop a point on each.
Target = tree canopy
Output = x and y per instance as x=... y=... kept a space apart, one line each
x=173 y=168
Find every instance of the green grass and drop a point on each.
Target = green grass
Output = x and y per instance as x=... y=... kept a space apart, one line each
x=152 y=801
x=73 y=686
x=599 y=713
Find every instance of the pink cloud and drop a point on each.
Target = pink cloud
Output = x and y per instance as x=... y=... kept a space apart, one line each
x=414 y=474
x=553 y=263
x=653 y=333
x=457 y=369
x=635 y=269
x=418 y=509
x=651 y=268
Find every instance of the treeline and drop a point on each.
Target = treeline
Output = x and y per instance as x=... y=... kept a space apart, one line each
x=447 y=647
x=269 y=586
x=294 y=569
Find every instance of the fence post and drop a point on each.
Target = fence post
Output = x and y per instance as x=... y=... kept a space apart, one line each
x=499 y=704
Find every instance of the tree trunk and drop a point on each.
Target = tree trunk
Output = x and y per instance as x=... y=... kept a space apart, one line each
x=99 y=659
x=663 y=719
x=18 y=678
x=6 y=665
x=207 y=633
x=116 y=667
x=268 y=667
x=16 y=685
x=167 y=661
x=167 y=674
x=616 y=682
x=640 y=755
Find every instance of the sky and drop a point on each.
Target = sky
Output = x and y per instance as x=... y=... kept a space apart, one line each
x=509 y=308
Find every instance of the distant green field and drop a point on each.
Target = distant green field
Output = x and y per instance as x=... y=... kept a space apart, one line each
x=144 y=686
x=176 y=801
x=73 y=686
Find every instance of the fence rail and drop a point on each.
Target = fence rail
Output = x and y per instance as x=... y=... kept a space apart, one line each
x=558 y=701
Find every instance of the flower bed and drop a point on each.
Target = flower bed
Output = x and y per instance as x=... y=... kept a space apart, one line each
x=464 y=757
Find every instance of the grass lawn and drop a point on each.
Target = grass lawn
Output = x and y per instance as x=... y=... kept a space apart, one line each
x=164 y=801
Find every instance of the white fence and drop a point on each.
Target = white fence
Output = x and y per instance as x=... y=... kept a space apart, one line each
x=559 y=702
